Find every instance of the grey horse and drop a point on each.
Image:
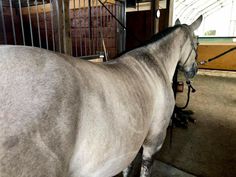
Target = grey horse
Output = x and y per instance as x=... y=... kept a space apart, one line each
x=64 y=117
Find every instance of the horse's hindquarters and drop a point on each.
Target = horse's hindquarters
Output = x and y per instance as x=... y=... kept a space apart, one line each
x=38 y=119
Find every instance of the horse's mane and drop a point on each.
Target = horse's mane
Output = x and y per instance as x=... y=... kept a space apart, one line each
x=162 y=34
x=154 y=38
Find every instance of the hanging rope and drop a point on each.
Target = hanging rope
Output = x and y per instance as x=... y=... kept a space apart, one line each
x=190 y=89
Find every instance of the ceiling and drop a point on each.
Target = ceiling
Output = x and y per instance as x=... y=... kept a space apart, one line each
x=191 y=9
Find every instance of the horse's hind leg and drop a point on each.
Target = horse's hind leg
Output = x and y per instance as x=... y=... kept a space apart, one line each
x=131 y=170
x=127 y=172
x=147 y=161
x=151 y=145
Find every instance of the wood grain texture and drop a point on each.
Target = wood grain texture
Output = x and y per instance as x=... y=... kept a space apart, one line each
x=226 y=62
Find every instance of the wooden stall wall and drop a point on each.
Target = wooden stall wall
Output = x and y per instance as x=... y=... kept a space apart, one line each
x=86 y=38
x=209 y=50
x=90 y=35
x=140 y=28
x=8 y=25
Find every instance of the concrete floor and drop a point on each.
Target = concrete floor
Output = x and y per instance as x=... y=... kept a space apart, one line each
x=208 y=147
x=161 y=169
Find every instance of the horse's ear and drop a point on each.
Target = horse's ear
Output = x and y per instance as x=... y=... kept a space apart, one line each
x=177 y=22
x=196 y=23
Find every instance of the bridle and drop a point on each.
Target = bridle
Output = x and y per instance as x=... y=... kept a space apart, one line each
x=192 y=45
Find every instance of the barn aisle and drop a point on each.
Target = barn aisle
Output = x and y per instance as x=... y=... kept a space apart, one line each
x=208 y=147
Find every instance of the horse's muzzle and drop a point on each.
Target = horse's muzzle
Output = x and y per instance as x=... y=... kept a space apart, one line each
x=192 y=72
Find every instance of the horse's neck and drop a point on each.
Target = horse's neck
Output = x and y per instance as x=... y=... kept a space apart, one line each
x=168 y=51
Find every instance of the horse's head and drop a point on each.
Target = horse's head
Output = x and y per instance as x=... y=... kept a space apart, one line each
x=188 y=63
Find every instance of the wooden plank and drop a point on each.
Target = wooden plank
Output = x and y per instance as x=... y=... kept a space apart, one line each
x=226 y=62
x=78 y=4
x=140 y=7
x=33 y=9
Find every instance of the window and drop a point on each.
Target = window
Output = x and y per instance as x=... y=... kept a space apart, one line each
x=219 y=16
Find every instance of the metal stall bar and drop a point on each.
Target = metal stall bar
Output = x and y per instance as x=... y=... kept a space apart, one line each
x=64 y=24
x=80 y=36
x=85 y=41
x=105 y=44
x=101 y=29
x=45 y=24
x=75 y=31
x=111 y=24
x=104 y=32
x=103 y=18
x=52 y=25
x=12 y=22
x=30 y=23
x=121 y=25
x=118 y=27
x=37 y=17
x=114 y=23
x=120 y=14
x=93 y=29
x=68 y=26
x=97 y=30
x=3 y=23
x=123 y=17
x=89 y=25
x=100 y=26
x=21 y=22
x=59 y=29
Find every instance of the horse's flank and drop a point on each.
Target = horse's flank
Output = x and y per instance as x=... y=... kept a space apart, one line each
x=59 y=114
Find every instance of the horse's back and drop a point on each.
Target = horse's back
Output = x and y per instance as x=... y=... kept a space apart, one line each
x=37 y=112
x=116 y=111
x=53 y=110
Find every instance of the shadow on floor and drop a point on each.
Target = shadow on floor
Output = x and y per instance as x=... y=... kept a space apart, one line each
x=207 y=148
